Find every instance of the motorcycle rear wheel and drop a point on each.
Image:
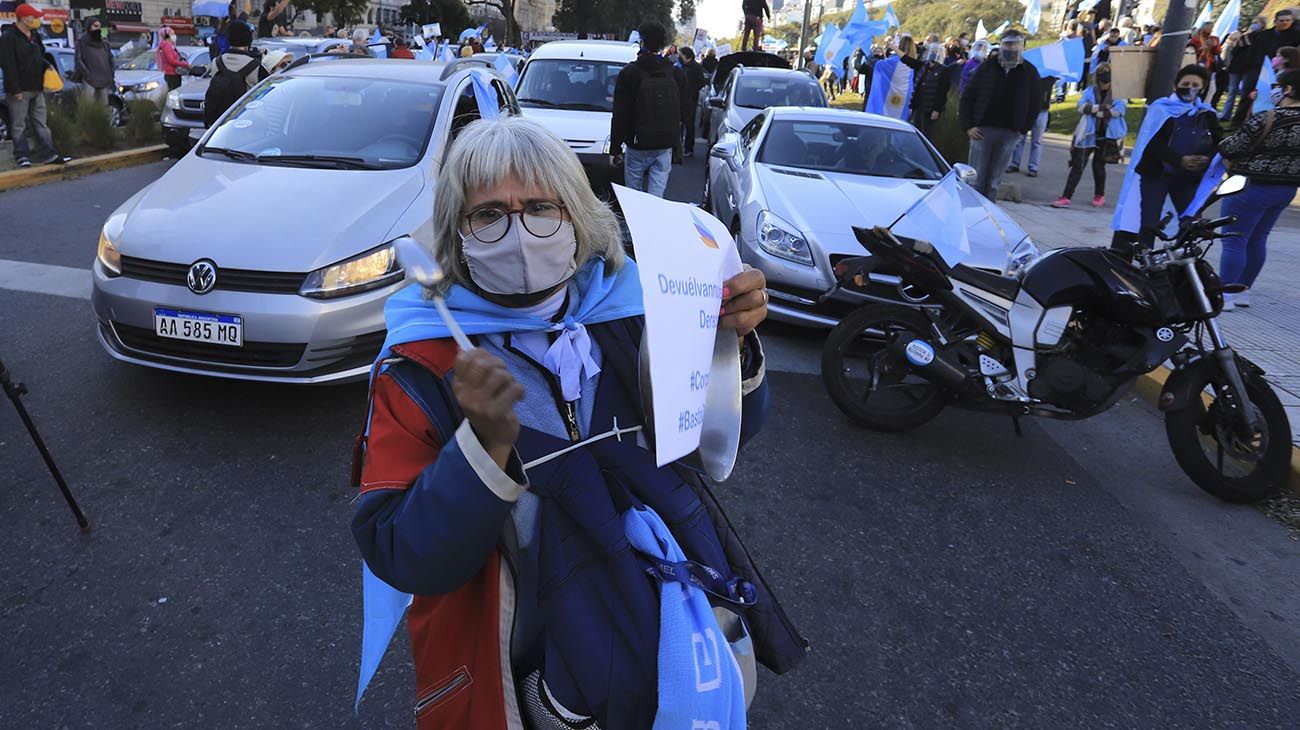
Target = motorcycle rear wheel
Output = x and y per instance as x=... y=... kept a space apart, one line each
x=1217 y=459
x=870 y=384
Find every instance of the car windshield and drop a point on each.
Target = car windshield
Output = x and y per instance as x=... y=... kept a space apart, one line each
x=142 y=61
x=329 y=122
x=569 y=84
x=851 y=148
x=761 y=92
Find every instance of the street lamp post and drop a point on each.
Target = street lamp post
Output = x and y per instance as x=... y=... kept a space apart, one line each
x=1169 y=54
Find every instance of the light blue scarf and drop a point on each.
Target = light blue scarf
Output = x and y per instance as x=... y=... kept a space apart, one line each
x=1128 y=211
x=700 y=685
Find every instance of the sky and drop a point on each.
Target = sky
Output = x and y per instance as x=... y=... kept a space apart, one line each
x=720 y=17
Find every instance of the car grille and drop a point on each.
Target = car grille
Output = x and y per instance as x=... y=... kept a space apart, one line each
x=262 y=282
x=257 y=354
x=190 y=109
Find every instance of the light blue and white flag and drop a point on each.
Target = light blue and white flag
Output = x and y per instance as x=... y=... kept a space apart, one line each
x=507 y=69
x=1086 y=5
x=1206 y=16
x=634 y=37
x=1033 y=14
x=467 y=34
x=1064 y=59
x=1264 y=88
x=1128 y=207
x=490 y=44
x=938 y=218
x=1229 y=20
x=828 y=36
x=891 y=17
x=1213 y=174
x=980 y=31
x=425 y=53
x=384 y=607
x=891 y=89
x=488 y=108
x=447 y=54
x=998 y=30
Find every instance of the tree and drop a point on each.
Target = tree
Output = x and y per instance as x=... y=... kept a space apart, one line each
x=450 y=13
x=344 y=12
x=619 y=17
x=507 y=10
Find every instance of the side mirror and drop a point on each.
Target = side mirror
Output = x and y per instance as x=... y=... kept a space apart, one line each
x=1233 y=185
x=965 y=173
x=68 y=75
x=717 y=102
x=724 y=149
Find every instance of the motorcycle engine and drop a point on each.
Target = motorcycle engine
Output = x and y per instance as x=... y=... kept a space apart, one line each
x=1080 y=374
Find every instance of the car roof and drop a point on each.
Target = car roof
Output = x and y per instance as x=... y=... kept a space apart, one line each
x=297 y=40
x=394 y=69
x=826 y=114
x=593 y=50
x=772 y=73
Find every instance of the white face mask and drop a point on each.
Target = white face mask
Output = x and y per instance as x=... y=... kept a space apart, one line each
x=521 y=263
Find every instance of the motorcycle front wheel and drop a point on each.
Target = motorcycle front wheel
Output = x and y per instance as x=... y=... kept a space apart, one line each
x=1218 y=458
x=869 y=382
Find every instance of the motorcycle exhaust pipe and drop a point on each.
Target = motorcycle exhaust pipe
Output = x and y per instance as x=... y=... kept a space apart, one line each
x=933 y=365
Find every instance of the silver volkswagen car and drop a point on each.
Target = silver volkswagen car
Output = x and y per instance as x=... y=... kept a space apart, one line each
x=793 y=183
x=265 y=252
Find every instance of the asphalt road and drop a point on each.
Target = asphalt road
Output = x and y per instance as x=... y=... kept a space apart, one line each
x=955 y=576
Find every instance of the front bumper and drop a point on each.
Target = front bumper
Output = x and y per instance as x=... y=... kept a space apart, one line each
x=287 y=338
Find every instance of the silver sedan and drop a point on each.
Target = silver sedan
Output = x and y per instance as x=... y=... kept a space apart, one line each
x=266 y=252
x=794 y=182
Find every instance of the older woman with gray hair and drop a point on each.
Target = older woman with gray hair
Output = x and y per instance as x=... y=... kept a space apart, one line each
x=560 y=579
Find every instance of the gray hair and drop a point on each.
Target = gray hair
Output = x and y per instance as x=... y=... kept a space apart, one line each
x=488 y=151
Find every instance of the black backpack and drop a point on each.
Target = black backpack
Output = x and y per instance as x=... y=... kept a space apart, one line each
x=658 y=110
x=223 y=91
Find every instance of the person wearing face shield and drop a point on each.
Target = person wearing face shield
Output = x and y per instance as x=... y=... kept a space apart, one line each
x=1000 y=104
x=1265 y=151
x=1178 y=136
x=979 y=51
x=930 y=88
x=524 y=541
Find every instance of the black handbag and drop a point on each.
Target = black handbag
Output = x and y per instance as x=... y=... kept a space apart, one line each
x=1109 y=150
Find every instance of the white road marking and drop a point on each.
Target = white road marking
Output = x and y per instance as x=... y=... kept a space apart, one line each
x=61 y=281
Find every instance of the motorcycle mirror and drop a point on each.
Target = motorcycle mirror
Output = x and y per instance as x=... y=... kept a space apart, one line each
x=1233 y=185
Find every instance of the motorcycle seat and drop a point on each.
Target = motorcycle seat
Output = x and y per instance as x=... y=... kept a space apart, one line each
x=1003 y=286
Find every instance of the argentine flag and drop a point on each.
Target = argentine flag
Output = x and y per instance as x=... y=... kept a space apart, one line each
x=1032 y=15
x=1064 y=59
x=1229 y=20
x=507 y=69
x=1206 y=16
x=891 y=89
x=891 y=17
x=938 y=218
x=1264 y=88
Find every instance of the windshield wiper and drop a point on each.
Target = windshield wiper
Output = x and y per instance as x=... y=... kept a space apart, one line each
x=336 y=161
x=232 y=154
x=539 y=102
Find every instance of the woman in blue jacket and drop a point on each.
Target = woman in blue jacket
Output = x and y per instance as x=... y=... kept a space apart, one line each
x=595 y=589
x=1101 y=121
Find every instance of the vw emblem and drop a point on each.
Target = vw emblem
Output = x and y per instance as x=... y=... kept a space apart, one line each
x=1164 y=334
x=202 y=276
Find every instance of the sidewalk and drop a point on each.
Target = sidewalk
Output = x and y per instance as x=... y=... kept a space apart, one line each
x=1268 y=333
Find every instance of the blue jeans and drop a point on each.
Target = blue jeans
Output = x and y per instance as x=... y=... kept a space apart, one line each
x=1234 y=91
x=647 y=170
x=1035 y=147
x=1257 y=209
x=1178 y=188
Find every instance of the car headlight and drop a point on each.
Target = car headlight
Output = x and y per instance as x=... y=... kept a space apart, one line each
x=1022 y=256
x=779 y=238
x=145 y=87
x=370 y=270
x=174 y=99
x=108 y=256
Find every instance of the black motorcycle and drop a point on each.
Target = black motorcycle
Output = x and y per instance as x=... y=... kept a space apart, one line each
x=1064 y=339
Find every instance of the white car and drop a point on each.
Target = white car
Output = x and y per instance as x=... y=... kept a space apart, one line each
x=794 y=182
x=568 y=87
x=265 y=253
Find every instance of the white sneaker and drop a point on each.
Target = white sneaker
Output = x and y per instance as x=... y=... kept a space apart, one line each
x=1241 y=299
x=1228 y=303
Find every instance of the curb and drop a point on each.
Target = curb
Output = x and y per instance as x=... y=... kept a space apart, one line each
x=1149 y=386
x=42 y=174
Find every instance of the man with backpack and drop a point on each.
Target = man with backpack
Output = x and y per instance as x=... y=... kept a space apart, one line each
x=647 y=118
x=238 y=70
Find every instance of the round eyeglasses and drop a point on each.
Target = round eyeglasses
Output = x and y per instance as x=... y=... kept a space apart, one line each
x=491 y=223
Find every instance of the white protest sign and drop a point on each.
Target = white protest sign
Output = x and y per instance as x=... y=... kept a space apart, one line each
x=683 y=255
x=432 y=30
x=724 y=50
